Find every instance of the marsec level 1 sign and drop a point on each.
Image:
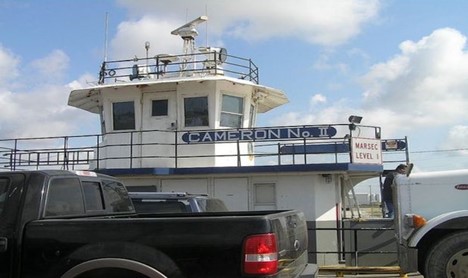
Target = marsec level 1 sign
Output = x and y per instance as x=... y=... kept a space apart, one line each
x=366 y=150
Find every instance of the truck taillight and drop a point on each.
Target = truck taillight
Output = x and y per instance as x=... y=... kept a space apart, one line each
x=260 y=254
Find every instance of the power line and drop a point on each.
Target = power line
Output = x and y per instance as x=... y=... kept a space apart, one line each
x=440 y=151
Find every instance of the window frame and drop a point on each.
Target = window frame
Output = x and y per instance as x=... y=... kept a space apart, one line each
x=106 y=183
x=166 y=109
x=49 y=201
x=258 y=189
x=238 y=114
x=4 y=192
x=98 y=198
x=117 y=124
x=205 y=119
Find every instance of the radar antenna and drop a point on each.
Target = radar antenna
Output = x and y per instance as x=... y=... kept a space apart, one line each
x=188 y=33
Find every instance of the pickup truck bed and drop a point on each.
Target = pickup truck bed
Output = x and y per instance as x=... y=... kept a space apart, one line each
x=111 y=240
x=198 y=244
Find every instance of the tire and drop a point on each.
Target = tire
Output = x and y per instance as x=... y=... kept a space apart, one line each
x=448 y=257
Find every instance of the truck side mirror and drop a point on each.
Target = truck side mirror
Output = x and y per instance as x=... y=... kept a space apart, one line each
x=409 y=168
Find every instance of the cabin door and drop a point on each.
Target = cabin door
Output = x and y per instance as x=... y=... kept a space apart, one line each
x=159 y=111
x=158 y=124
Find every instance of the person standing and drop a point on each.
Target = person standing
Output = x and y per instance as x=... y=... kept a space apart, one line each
x=387 y=190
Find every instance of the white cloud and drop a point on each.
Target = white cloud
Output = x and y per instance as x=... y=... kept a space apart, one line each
x=41 y=112
x=457 y=138
x=325 y=22
x=424 y=85
x=318 y=99
x=8 y=65
x=36 y=105
x=336 y=113
x=53 y=65
x=132 y=35
x=323 y=63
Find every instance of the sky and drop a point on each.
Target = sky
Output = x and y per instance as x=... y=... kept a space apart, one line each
x=402 y=65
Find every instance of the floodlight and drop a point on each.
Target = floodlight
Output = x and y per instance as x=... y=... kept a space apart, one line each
x=355 y=119
x=214 y=55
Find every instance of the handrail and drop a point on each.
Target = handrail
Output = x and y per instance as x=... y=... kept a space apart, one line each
x=355 y=251
x=170 y=66
x=81 y=150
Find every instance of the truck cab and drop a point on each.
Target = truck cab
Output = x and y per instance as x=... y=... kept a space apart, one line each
x=53 y=194
x=432 y=222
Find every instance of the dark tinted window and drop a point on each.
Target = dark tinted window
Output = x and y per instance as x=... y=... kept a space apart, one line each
x=3 y=192
x=159 y=108
x=123 y=115
x=117 y=196
x=92 y=195
x=196 y=111
x=64 y=197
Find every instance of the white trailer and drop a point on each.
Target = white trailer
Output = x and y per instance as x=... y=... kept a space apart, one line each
x=432 y=223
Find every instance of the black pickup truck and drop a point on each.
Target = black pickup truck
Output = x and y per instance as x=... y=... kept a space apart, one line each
x=58 y=223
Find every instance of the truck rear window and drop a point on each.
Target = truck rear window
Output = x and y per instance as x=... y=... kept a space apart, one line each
x=93 y=196
x=64 y=197
x=117 y=196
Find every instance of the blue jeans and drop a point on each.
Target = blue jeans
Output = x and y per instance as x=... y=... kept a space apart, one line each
x=390 y=209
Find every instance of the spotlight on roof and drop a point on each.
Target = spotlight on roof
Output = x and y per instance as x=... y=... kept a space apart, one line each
x=355 y=119
x=214 y=55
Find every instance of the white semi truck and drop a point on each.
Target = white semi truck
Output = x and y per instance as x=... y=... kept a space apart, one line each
x=432 y=222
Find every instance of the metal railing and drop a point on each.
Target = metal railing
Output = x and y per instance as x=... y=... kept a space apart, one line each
x=170 y=66
x=352 y=248
x=70 y=152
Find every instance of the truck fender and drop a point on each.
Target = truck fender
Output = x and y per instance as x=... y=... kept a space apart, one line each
x=126 y=255
x=450 y=220
x=113 y=263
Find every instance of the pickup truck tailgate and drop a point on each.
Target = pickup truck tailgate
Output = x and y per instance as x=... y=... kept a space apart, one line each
x=291 y=230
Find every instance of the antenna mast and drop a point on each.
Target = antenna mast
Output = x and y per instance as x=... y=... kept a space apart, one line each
x=105 y=36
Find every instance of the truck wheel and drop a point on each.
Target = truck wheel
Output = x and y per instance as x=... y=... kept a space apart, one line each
x=107 y=259
x=448 y=257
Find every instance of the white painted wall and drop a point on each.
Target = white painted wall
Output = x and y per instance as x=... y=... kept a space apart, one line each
x=233 y=191
x=198 y=186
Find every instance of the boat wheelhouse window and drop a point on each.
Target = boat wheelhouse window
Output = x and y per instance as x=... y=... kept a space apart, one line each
x=123 y=115
x=232 y=111
x=196 y=111
x=159 y=107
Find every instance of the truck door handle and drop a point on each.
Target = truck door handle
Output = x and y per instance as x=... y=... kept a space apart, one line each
x=3 y=244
